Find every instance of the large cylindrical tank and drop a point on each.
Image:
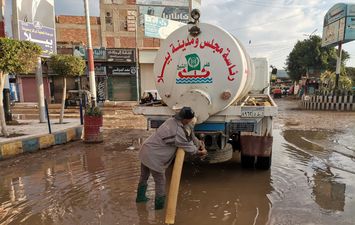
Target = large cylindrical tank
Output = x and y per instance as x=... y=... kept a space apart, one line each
x=207 y=72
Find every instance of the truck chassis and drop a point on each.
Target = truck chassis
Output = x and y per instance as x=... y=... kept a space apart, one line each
x=240 y=127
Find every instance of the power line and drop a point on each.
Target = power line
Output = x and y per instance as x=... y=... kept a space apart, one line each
x=278 y=43
x=269 y=48
x=270 y=22
x=263 y=4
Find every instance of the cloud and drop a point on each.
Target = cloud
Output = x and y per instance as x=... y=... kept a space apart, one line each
x=273 y=27
x=76 y=7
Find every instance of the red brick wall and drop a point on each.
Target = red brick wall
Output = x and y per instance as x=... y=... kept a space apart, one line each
x=77 y=35
x=77 y=20
x=151 y=42
x=65 y=51
x=127 y=42
x=110 y=42
x=2 y=28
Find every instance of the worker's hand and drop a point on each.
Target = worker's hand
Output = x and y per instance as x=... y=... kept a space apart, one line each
x=202 y=153
x=202 y=144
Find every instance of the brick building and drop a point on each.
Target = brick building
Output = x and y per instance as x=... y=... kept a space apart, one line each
x=72 y=29
x=117 y=36
x=116 y=31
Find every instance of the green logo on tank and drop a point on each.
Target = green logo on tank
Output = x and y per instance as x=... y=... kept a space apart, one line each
x=192 y=72
x=193 y=62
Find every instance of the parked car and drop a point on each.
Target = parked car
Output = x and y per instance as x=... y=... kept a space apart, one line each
x=277 y=92
x=150 y=96
x=73 y=97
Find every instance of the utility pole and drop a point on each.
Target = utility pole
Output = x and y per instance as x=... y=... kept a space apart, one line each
x=40 y=91
x=137 y=57
x=90 y=55
x=337 y=71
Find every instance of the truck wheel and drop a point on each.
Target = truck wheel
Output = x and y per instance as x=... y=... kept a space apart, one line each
x=263 y=163
x=247 y=161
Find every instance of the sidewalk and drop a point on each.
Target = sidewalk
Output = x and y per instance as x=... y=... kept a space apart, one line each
x=31 y=136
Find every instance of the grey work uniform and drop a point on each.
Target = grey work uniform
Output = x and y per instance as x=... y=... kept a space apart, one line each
x=159 y=150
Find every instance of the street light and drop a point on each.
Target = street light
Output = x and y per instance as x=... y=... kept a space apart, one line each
x=310 y=35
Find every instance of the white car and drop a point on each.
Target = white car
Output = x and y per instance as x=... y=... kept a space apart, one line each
x=155 y=94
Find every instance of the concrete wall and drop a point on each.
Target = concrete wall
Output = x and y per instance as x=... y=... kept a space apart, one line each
x=344 y=102
x=147 y=77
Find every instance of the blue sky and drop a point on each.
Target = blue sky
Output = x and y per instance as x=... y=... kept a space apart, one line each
x=272 y=26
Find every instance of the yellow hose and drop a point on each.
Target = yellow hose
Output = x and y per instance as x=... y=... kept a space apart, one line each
x=174 y=187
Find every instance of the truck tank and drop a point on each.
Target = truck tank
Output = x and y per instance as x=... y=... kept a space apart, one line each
x=208 y=72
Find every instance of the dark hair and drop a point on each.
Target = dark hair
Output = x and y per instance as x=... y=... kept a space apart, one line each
x=185 y=113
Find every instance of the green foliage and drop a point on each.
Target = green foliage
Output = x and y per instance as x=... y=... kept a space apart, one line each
x=350 y=71
x=309 y=54
x=328 y=81
x=18 y=56
x=93 y=111
x=67 y=65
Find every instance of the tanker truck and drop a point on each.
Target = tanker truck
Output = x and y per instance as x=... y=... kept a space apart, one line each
x=204 y=67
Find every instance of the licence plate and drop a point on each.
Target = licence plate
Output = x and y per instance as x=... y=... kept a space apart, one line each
x=252 y=113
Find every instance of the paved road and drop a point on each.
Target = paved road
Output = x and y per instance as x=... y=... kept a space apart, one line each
x=311 y=180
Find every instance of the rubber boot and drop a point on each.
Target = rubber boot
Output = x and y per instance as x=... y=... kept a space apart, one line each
x=159 y=202
x=142 y=188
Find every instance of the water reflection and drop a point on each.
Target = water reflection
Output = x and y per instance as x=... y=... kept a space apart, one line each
x=328 y=193
x=224 y=194
x=65 y=190
x=88 y=184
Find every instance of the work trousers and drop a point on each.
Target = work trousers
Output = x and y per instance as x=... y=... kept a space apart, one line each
x=159 y=179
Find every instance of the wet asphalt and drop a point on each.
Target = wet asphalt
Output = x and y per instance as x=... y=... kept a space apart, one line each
x=311 y=181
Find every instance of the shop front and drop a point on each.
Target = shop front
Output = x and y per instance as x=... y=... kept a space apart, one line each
x=121 y=82
x=28 y=88
x=121 y=74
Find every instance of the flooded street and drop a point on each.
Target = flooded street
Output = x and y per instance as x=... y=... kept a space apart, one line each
x=311 y=181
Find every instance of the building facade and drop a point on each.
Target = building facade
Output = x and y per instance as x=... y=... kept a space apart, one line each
x=120 y=47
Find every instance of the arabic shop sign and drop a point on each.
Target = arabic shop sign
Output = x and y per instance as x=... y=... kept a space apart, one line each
x=100 y=70
x=43 y=36
x=180 y=14
x=164 y=2
x=121 y=55
x=36 y=23
x=157 y=27
x=99 y=53
x=122 y=70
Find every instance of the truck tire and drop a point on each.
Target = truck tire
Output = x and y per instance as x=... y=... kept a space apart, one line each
x=247 y=161
x=263 y=163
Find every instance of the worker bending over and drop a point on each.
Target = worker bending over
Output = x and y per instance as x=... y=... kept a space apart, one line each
x=159 y=150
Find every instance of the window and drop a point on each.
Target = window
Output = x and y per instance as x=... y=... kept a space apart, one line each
x=108 y=18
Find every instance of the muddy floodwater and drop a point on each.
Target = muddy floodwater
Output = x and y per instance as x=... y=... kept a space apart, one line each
x=311 y=181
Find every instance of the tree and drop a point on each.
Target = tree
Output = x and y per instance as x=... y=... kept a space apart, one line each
x=350 y=71
x=15 y=57
x=309 y=54
x=328 y=81
x=66 y=65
